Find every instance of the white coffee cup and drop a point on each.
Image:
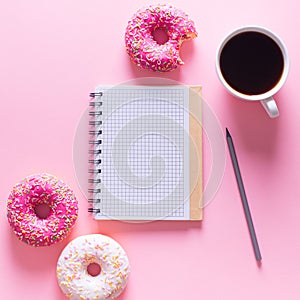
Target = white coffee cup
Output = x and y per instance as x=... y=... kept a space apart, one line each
x=223 y=62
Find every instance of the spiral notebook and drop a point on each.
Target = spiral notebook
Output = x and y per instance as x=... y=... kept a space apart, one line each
x=145 y=153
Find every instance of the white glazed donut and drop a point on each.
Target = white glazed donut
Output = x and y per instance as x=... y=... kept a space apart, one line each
x=72 y=274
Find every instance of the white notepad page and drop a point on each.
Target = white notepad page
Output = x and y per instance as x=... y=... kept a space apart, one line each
x=143 y=135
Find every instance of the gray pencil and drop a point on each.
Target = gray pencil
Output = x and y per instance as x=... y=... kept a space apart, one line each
x=240 y=184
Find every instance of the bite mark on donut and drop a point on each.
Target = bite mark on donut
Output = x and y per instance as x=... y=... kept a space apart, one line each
x=142 y=48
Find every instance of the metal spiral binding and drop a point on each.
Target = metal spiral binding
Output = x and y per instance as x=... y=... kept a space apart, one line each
x=93 y=104
x=94 y=191
x=94 y=123
x=93 y=171
x=95 y=161
x=92 y=95
x=95 y=113
x=95 y=132
x=92 y=200
x=95 y=152
x=96 y=142
x=94 y=210
x=91 y=180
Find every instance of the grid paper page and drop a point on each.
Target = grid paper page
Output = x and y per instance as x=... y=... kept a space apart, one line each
x=144 y=153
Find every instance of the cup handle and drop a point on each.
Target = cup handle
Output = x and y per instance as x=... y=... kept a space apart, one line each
x=270 y=106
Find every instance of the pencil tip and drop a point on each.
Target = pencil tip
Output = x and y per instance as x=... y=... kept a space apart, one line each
x=259 y=263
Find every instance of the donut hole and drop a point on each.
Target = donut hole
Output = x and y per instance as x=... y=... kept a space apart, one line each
x=42 y=210
x=94 y=269
x=160 y=35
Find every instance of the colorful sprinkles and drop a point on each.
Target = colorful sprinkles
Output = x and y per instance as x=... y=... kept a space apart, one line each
x=41 y=189
x=72 y=274
x=144 y=50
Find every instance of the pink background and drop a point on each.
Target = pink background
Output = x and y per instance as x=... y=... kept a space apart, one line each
x=53 y=53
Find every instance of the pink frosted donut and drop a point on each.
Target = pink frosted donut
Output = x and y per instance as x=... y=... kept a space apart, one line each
x=144 y=50
x=41 y=189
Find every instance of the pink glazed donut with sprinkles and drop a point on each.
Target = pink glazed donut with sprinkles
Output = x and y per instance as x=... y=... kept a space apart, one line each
x=73 y=268
x=142 y=47
x=41 y=189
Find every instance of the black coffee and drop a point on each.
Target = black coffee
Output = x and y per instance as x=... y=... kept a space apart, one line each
x=251 y=63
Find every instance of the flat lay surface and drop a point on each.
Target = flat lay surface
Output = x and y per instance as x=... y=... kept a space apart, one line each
x=53 y=53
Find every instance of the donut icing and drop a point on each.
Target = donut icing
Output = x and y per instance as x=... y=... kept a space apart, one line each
x=72 y=274
x=41 y=189
x=144 y=50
